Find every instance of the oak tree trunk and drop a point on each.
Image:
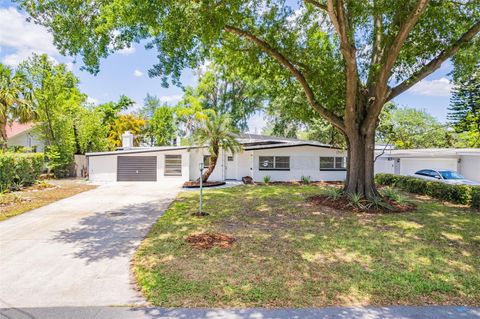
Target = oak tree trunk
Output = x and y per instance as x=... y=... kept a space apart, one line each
x=360 y=164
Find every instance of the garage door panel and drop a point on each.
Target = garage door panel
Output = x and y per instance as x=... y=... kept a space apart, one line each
x=412 y=165
x=137 y=168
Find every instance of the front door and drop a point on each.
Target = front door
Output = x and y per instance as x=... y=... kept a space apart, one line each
x=230 y=168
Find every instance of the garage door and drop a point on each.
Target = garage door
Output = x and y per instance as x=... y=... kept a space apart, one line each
x=411 y=165
x=137 y=168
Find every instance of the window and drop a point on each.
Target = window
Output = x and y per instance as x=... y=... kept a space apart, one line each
x=173 y=165
x=206 y=160
x=230 y=158
x=333 y=163
x=279 y=163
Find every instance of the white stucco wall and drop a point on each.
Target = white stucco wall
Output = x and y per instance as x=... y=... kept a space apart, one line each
x=411 y=165
x=470 y=167
x=23 y=138
x=384 y=165
x=104 y=168
x=304 y=161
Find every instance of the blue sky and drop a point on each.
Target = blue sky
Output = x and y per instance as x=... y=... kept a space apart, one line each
x=125 y=72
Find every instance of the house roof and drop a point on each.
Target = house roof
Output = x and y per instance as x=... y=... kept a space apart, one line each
x=16 y=128
x=432 y=152
x=249 y=142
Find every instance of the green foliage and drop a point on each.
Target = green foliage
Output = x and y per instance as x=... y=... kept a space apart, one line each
x=19 y=169
x=357 y=201
x=267 y=179
x=411 y=128
x=16 y=100
x=59 y=160
x=465 y=109
x=393 y=194
x=218 y=133
x=476 y=197
x=306 y=179
x=334 y=193
x=223 y=91
x=461 y=194
x=91 y=133
x=161 y=127
x=150 y=104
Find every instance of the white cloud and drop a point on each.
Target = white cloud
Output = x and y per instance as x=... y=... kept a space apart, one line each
x=137 y=73
x=92 y=100
x=439 y=87
x=23 y=37
x=170 y=98
x=127 y=51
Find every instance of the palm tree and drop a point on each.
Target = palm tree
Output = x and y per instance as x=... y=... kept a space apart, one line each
x=218 y=133
x=16 y=101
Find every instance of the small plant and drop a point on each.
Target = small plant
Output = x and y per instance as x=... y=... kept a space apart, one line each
x=390 y=193
x=378 y=202
x=267 y=179
x=357 y=201
x=306 y=179
x=333 y=193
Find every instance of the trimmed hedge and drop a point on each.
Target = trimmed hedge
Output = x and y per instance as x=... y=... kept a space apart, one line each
x=19 y=169
x=460 y=194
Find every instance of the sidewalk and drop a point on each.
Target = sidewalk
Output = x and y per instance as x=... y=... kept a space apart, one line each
x=397 y=312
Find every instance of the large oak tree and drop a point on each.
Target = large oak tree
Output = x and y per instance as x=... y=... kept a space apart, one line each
x=346 y=57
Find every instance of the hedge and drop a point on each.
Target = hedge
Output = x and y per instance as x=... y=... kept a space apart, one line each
x=19 y=169
x=460 y=194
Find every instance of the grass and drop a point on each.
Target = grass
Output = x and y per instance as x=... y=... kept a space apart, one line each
x=291 y=254
x=16 y=203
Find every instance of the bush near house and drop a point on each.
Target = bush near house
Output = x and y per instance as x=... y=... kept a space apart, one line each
x=19 y=169
x=459 y=194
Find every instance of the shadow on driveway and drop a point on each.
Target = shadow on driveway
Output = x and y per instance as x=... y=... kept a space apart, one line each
x=113 y=233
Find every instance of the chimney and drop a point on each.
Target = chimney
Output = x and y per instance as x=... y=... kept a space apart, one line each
x=127 y=140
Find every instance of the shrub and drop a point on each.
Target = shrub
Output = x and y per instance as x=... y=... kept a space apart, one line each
x=19 y=169
x=58 y=161
x=475 y=197
x=267 y=179
x=460 y=194
x=306 y=179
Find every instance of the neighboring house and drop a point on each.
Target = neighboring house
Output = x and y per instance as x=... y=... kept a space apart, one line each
x=283 y=159
x=466 y=161
x=23 y=135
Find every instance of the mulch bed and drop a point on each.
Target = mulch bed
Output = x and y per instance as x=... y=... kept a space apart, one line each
x=344 y=204
x=209 y=240
x=196 y=184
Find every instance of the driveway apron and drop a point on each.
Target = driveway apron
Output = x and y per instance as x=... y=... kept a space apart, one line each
x=77 y=251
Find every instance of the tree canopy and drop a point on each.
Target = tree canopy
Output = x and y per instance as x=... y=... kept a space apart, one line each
x=345 y=58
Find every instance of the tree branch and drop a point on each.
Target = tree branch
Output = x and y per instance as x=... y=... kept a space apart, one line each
x=317 y=4
x=280 y=58
x=434 y=64
x=336 y=12
x=389 y=57
x=394 y=50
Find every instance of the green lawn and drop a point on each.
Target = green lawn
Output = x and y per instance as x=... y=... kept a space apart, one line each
x=291 y=254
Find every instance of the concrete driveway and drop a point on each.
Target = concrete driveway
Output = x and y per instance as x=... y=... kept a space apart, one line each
x=77 y=251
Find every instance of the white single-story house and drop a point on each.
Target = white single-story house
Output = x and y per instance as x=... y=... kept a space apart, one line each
x=466 y=161
x=23 y=135
x=282 y=159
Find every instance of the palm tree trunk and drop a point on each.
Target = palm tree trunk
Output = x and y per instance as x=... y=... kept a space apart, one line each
x=3 y=134
x=211 y=166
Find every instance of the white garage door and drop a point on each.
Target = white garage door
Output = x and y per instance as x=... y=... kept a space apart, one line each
x=411 y=165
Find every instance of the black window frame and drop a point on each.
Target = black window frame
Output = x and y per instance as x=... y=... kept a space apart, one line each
x=274 y=168
x=334 y=161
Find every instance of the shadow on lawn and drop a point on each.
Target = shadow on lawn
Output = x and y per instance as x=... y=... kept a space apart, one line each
x=113 y=233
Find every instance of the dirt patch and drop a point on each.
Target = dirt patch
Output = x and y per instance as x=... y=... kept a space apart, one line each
x=196 y=184
x=209 y=240
x=343 y=203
